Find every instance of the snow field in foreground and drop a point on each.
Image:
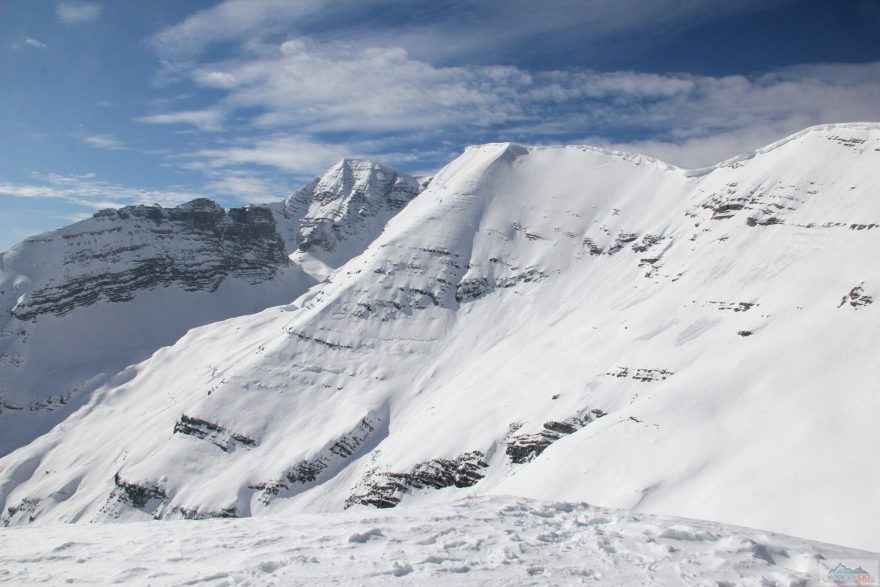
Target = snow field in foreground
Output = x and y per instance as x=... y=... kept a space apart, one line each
x=480 y=541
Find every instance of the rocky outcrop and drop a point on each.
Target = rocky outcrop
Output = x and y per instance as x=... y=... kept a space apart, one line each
x=119 y=253
x=472 y=288
x=733 y=306
x=475 y=287
x=312 y=469
x=23 y=510
x=645 y=375
x=856 y=298
x=522 y=448
x=217 y=435
x=386 y=489
x=184 y=513
x=145 y=497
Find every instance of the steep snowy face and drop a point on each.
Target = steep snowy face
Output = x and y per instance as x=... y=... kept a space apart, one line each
x=337 y=215
x=118 y=253
x=563 y=323
x=81 y=303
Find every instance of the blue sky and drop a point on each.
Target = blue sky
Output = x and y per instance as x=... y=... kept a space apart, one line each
x=108 y=103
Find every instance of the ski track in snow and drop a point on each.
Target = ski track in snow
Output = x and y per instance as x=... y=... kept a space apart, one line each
x=480 y=541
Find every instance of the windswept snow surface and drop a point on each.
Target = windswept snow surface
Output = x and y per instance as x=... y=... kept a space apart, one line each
x=480 y=541
x=562 y=323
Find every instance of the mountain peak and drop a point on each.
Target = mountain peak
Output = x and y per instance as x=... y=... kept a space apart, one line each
x=201 y=204
x=355 y=163
x=338 y=214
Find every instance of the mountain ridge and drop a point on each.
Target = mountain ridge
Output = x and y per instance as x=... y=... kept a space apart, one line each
x=555 y=324
x=128 y=281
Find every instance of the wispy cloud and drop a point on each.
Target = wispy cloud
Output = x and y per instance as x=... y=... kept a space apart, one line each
x=110 y=142
x=413 y=90
x=87 y=190
x=306 y=101
x=71 y=13
x=249 y=186
x=107 y=141
x=443 y=29
x=232 y=20
x=206 y=120
x=29 y=42
x=74 y=217
x=34 y=43
x=294 y=154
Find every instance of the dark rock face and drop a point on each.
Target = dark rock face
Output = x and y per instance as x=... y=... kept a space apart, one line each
x=194 y=246
x=768 y=221
x=213 y=433
x=762 y=205
x=136 y=494
x=195 y=514
x=734 y=306
x=349 y=443
x=648 y=241
x=594 y=249
x=856 y=298
x=522 y=448
x=26 y=508
x=311 y=470
x=47 y=405
x=386 y=489
x=644 y=375
x=473 y=288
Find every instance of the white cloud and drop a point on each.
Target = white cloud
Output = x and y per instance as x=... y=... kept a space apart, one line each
x=207 y=120
x=74 y=217
x=87 y=190
x=455 y=29
x=232 y=20
x=34 y=43
x=216 y=79
x=108 y=142
x=250 y=187
x=310 y=89
x=335 y=87
x=77 y=12
x=301 y=103
x=294 y=154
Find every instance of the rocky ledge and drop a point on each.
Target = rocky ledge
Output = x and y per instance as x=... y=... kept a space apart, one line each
x=118 y=253
x=385 y=489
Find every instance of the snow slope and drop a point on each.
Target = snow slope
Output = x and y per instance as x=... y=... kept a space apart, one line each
x=82 y=303
x=557 y=323
x=481 y=541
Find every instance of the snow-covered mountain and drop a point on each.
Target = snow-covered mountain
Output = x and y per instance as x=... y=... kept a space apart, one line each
x=338 y=215
x=80 y=304
x=556 y=323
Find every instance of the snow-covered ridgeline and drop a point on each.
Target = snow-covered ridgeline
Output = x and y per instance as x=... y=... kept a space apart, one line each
x=559 y=323
x=80 y=304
